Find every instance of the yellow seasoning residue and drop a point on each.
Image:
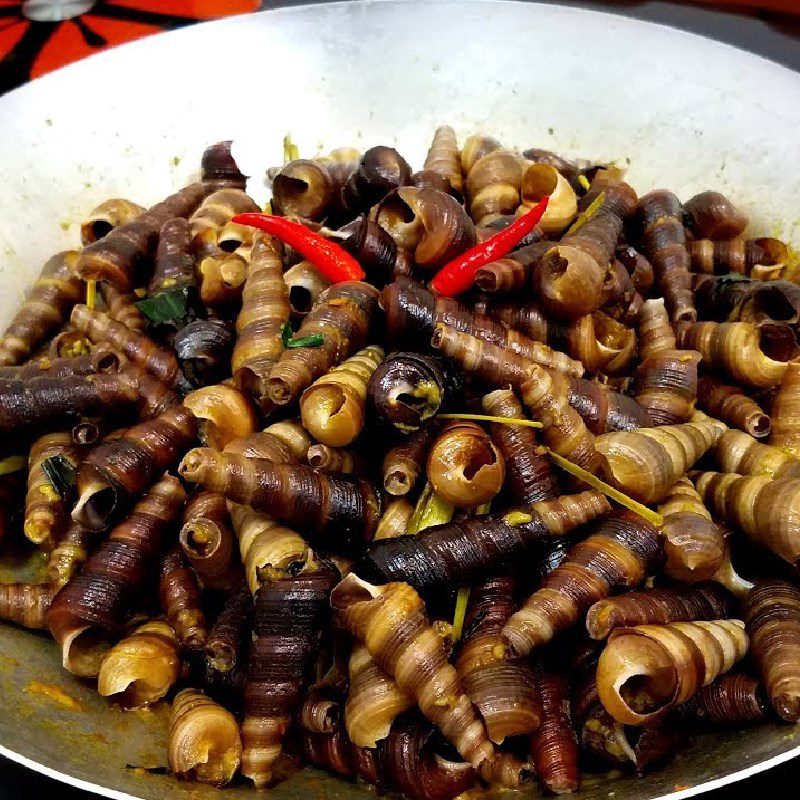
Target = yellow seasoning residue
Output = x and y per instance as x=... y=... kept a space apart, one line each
x=54 y=693
x=49 y=493
x=514 y=518
x=443 y=628
x=80 y=347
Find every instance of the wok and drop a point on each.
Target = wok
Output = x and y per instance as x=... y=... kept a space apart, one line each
x=674 y=109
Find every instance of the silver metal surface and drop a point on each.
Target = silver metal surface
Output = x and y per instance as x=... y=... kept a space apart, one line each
x=51 y=722
x=684 y=111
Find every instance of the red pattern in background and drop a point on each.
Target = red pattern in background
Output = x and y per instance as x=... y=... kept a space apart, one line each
x=67 y=43
x=196 y=9
x=29 y=48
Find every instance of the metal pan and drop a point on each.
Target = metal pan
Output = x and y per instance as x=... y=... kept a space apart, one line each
x=676 y=109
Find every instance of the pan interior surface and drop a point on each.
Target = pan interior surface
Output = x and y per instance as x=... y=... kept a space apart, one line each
x=676 y=111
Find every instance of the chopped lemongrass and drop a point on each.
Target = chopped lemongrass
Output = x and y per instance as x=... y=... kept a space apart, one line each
x=12 y=464
x=430 y=510
x=91 y=294
x=584 y=182
x=623 y=499
x=501 y=420
x=436 y=512
x=290 y=151
x=583 y=218
x=416 y=517
x=461 y=611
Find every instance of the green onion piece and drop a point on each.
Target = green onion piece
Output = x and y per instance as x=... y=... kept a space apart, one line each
x=60 y=473
x=584 y=182
x=171 y=305
x=315 y=340
x=461 y=610
x=290 y=151
x=286 y=334
x=12 y=464
x=593 y=208
x=430 y=510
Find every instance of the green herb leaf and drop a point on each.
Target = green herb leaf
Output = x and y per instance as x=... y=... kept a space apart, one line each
x=60 y=473
x=286 y=334
x=172 y=305
x=732 y=277
x=315 y=340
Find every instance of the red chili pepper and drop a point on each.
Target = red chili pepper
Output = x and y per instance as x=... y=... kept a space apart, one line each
x=459 y=274
x=332 y=261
